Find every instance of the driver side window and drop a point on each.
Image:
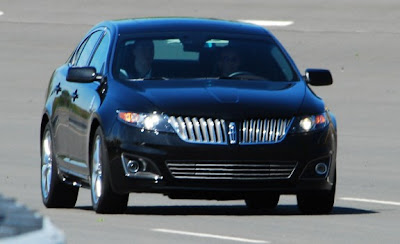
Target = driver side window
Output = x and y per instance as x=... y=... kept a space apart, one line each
x=100 y=56
x=82 y=55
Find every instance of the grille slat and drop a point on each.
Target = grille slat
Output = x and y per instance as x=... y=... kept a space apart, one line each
x=211 y=131
x=245 y=129
x=190 y=129
x=218 y=128
x=204 y=130
x=259 y=130
x=264 y=131
x=231 y=170
x=226 y=170
x=197 y=131
x=272 y=130
x=252 y=130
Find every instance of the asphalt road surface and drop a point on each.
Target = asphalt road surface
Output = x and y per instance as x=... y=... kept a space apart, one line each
x=357 y=40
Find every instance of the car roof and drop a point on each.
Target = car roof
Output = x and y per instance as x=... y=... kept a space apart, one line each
x=171 y=24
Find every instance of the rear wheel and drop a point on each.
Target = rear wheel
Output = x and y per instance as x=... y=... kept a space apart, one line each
x=104 y=199
x=269 y=201
x=55 y=194
x=317 y=202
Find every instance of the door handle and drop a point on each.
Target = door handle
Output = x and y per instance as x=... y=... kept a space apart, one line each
x=75 y=95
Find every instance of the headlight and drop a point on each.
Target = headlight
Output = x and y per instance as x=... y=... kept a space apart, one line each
x=146 y=121
x=309 y=123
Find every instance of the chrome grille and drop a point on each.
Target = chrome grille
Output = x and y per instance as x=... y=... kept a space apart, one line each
x=200 y=130
x=215 y=131
x=258 y=131
x=237 y=170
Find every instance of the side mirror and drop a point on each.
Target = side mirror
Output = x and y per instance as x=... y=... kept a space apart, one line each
x=318 y=77
x=82 y=74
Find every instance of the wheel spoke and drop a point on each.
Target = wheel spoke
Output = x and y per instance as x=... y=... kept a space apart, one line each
x=97 y=175
x=98 y=185
x=46 y=177
x=46 y=164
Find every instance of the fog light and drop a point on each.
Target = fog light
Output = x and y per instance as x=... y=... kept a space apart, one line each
x=133 y=166
x=321 y=168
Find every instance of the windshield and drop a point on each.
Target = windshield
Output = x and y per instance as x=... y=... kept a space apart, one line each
x=197 y=56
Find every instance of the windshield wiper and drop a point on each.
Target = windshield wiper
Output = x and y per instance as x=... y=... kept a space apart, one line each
x=231 y=78
x=150 y=78
x=156 y=78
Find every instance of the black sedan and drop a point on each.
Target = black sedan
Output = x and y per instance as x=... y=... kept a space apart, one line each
x=190 y=108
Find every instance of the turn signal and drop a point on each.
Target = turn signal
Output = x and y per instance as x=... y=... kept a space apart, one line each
x=129 y=117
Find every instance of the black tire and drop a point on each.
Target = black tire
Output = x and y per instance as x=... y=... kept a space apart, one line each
x=267 y=202
x=55 y=193
x=317 y=202
x=104 y=199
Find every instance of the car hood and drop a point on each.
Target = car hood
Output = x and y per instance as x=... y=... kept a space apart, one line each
x=230 y=99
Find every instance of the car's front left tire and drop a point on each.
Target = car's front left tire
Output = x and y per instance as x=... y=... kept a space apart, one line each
x=55 y=193
x=320 y=202
x=104 y=199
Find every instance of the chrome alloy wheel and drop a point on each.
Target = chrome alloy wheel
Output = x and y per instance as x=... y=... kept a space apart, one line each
x=97 y=173
x=47 y=164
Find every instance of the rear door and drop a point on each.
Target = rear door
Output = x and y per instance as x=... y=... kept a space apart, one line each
x=59 y=118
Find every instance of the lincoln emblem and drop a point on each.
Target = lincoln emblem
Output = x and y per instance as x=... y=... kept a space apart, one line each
x=232 y=133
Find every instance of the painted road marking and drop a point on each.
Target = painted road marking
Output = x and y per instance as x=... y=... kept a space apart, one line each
x=268 y=22
x=370 y=201
x=1 y=13
x=203 y=235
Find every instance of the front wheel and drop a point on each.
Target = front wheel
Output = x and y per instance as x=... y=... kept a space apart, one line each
x=55 y=193
x=104 y=199
x=317 y=202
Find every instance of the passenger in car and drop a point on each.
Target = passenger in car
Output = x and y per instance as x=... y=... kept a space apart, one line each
x=228 y=61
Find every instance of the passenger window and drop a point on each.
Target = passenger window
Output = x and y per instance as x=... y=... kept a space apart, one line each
x=283 y=63
x=100 y=55
x=85 y=50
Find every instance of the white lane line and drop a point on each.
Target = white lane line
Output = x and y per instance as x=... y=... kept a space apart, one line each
x=203 y=235
x=1 y=13
x=370 y=201
x=268 y=22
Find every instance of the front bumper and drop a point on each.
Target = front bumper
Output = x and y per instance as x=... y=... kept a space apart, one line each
x=126 y=143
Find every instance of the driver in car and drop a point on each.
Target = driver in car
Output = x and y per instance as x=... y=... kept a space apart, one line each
x=143 y=56
x=143 y=51
x=228 y=62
